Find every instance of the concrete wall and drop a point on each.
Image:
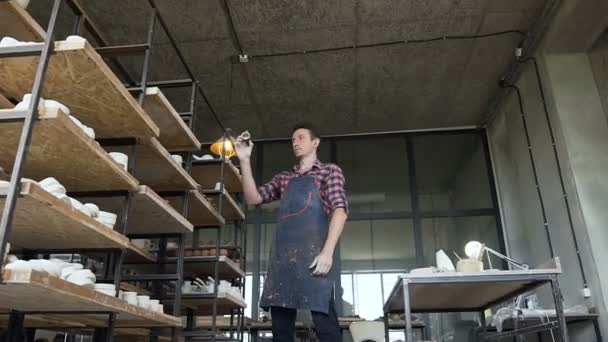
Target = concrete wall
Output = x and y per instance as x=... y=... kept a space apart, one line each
x=581 y=134
x=599 y=63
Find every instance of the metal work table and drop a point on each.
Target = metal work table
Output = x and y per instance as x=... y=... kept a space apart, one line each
x=474 y=292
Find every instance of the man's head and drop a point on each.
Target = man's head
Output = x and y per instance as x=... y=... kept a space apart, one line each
x=304 y=140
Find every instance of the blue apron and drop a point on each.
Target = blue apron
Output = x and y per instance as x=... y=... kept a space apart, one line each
x=301 y=232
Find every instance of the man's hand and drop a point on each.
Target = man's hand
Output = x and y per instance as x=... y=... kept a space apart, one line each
x=321 y=264
x=243 y=150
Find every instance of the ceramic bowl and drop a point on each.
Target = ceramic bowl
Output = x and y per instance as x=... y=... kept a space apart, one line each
x=76 y=204
x=19 y=266
x=154 y=303
x=47 y=182
x=8 y=41
x=108 y=289
x=207 y=157
x=75 y=39
x=130 y=297
x=160 y=308
x=47 y=266
x=82 y=277
x=177 y=158
x=93 y=208
x=107 y=217
x=143 y=301
x=56 y=104
x=120 y=158
x=86 y=210
x=89 y=131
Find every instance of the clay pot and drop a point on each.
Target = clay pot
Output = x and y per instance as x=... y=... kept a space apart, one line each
x=205 y=252
x=223 y=252
x=198 y=252
x=188 y=252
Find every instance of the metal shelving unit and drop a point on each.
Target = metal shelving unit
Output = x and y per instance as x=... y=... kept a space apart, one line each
x=146 y=128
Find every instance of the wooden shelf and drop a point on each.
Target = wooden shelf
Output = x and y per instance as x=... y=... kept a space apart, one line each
x=155 y=168
x=78 y=77
x=196 y=266
x=136 y=335
x=60 y=149
x=230 y=209
x=175 y=135
x=204 y=306
x=37 y=291
x=207 y=173
x=130 y=287
x=138 y=255
x=200 y=210
x=44 y=222
x=149 y=213
x=16 y=22
x=222 y=323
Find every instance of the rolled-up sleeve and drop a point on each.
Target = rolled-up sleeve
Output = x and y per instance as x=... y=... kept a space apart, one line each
x=335 y=189
x=271 y=191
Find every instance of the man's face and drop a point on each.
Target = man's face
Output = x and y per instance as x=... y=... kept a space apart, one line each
x=302 y=143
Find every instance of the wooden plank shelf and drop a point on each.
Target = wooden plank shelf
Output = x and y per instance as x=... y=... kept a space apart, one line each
x=200 y=210
x=196 y=266
x=37 y=291
x=230 y=209
x=222 y=323
x=149 y=213
x=130 y=287
x=155 y=168
x=16 y=22
x=175 y=135
x=78 y=77
x=44 y=222
x=207 y=174
x=136 y=335
x=138 y=255
x=60 y=149
x=203 y=304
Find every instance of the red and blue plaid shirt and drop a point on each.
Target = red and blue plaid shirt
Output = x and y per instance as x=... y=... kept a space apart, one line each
x=329 y=179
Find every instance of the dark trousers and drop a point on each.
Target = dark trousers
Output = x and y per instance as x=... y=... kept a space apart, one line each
x=284 y=324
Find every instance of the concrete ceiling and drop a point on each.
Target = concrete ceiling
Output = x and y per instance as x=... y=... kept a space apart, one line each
x=438 y=84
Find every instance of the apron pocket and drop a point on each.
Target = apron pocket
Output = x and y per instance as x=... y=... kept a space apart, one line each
x=301 y=211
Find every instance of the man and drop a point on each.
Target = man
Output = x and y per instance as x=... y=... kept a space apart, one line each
x=310 y=221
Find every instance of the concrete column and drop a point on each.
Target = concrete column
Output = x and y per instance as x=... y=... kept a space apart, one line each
x=584 y=129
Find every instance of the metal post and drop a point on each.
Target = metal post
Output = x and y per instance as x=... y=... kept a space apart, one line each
x=15 y=326
x=407 y=311
x=120 y=257
x=559 y=309
x=77 y=25
x=482 y=321
x=26 y=134
x=193 y=95
x=417 y=221
x=386 y=327
x=177 y=303
x=146 y=66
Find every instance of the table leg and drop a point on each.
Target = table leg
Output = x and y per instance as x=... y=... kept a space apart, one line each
x=407 y=311
x=386 y=326
x=598 y=333
x=484 y=326
x=559 y=310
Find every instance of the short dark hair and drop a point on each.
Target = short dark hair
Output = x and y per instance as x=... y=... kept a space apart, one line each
x=308 y=126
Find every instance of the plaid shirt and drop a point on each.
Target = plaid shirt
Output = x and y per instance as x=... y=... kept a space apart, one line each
x=329 y=179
